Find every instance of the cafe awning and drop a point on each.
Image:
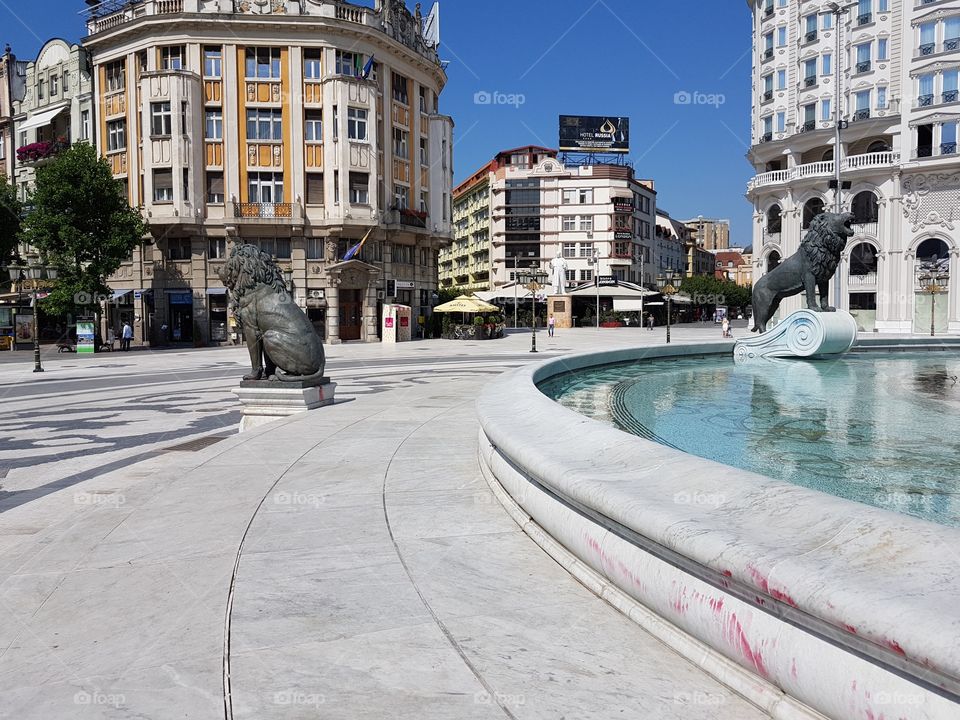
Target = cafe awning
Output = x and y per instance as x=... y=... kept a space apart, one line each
x=119 y=294
x=216 y=291
x=40 y=119
x=466 y=304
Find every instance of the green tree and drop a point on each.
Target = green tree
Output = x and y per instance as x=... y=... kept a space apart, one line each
x=83 y=226
x=10 y=223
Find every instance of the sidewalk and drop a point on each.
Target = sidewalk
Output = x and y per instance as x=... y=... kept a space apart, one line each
x=349 y=563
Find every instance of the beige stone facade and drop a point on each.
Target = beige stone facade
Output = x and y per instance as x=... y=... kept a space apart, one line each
x=295 y=126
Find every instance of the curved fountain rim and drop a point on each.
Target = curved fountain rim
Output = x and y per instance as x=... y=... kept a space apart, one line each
x=878 y=565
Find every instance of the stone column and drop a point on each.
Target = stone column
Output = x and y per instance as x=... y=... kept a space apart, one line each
x=333 y=310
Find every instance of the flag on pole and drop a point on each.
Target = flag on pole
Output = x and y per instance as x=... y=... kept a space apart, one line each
x=357 y=64
x=356 y=248
x=368 y=67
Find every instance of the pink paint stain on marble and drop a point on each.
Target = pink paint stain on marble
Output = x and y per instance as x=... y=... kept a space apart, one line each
x=735 y=635
x=793 y=668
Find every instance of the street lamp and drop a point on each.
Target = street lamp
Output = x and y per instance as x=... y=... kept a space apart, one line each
x=594 y=260
x=669 y=284
x=933 y=281
x=33 y=272
x=533 y=277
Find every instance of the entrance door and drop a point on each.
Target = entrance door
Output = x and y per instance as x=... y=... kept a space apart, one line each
x=181 y=323
x=351 y=314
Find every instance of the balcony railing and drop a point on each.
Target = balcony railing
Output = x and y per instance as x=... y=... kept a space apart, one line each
x=768 y=53
x=766 y=137
x=865 y=228
x=824 y=168
x=810 y=81
x=808 y=126
x=863 y=66
x=263 y=210
x=924 y=151
x=767 y=95
x=924 y=100
x=948 y=148
x=951 y=44
x=927 y=48
x=948 y=96
x=768 y=11
x=862 y=114
x=864 y=19
x=810 y=36
x=866 y=279
x=39 y=151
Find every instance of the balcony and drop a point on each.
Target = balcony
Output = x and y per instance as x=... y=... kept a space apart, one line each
x=766 y=137
x=810 y=36
x=927 y=49
x=863 y=67
x=272 y=211
x=867 y=229
x=864 y=19
x=860 y=280
x=767 y=95
x=767 y=11
x=951 y=44
x=924 y=100
x=862 y=114
x=948 y=148
x=824 y=168
x=810 y=81
x=768 y=53
x=406 y=217
x=808 y=126
x=39 y=152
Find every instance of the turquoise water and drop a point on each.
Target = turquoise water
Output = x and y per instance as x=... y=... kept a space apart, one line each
x=878 y=428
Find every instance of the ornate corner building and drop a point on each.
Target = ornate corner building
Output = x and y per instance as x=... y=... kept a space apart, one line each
x=301 y=126
x=898 y=105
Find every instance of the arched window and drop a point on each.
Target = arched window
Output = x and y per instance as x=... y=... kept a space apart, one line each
x=828 y=155
x=811 y=208
x=865 y=208
x=878 y=146
x=773 y=220
x=773 y=259
x=933 y=251
x=863 y=259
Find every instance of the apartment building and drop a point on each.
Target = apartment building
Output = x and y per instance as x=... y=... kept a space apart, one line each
x=301 y=127
x=670 y=247
x=55 y=110
x=710 y=233
x=898 y=65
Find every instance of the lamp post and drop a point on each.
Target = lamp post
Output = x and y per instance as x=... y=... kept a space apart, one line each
x=594 y=260
x=669 y=284
x=533 y=278
x=33 y=272
x=933 y=281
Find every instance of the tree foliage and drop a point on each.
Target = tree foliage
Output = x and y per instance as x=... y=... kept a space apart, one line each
x=82 y=225
x=710 y=291
x=10 y=220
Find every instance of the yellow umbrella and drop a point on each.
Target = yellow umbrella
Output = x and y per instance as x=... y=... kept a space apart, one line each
x=466 y=304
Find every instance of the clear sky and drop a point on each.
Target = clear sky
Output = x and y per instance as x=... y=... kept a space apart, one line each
x=537 y=59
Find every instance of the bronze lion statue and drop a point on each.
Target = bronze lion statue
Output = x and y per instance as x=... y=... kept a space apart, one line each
x=282 y=342
x=808 y=270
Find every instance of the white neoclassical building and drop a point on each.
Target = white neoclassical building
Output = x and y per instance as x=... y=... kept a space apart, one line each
x=899 y=109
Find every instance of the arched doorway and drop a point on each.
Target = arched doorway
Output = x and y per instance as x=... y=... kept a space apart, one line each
x=863 y=285
x=866 y=212
x=878 y=146
x=773 y=259
x=931 y=283
x=811 y=208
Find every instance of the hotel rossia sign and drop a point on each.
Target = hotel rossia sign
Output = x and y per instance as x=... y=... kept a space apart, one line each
x=623 y=205
x=590 y=133
x=622 y=235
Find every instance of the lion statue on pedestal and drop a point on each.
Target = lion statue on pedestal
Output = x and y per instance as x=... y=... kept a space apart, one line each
x=808 y=270
x=282 y=342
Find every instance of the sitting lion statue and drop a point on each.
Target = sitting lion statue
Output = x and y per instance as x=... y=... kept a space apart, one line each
x=282 y=343
x=807 y=270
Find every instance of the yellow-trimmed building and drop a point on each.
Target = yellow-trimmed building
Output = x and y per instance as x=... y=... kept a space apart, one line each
x=296 y=126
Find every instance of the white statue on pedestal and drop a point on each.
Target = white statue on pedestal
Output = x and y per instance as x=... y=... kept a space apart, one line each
x=558 y=273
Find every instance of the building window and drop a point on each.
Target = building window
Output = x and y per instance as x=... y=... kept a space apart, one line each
x=116 y=135
x=569 y=250
x=810 y=28
x=315 y=248
x=312 y=64
x=586 y=223
x=827 y=21
x=781 y=79
x=214 y=124
x=264 y=125
x=782 y=36
x=313 y=126
x=864 y=53
x=586 y=276
x=172 y=57
x=423 y=99
x=401 y=145
x=586 y=250
x=360 y=189
x=401 y=197
x=781 y=121
x=212 y=62
x=928 y=38
x=41 y=89
x=215 y=188
x=314 y=188
x=66 y=82
x=585 y=197
x=163 y=186
x=810 y=72
x=400 y=89
x=569 y=197
x=116 y=77
x=262 y=64
x=160 y=120
x=265 y=187
x=948 y=138
x=424 y=153
x=826 y=63
x=54 y=85
x=186 y=184
x=357 y=124
x=825 y=114
x=881 y=97
x=217 y=248
x=882 y=49
x=178 y=248
x=84 y=124
x=348 y=63
x=424 y=201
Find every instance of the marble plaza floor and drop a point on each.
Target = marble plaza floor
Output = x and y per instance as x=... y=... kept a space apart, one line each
x=347 y=563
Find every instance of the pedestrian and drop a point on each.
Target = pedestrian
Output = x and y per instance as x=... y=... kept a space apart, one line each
x=126 y=337
x=726 y=326
x=551 y=322
x=650 y=321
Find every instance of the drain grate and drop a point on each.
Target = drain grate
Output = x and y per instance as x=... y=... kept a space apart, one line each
x=195 y=445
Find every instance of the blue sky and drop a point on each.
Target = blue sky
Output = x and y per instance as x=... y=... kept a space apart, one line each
x=591 y=57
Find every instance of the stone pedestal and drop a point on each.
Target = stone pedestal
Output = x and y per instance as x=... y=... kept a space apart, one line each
x=803 y=333
x=561 y=307
x=267 y=400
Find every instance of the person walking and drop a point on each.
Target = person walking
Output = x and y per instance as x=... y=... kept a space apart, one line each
x=551 y=322
x=126 y=337
x=650 y=321
x=726 y=326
